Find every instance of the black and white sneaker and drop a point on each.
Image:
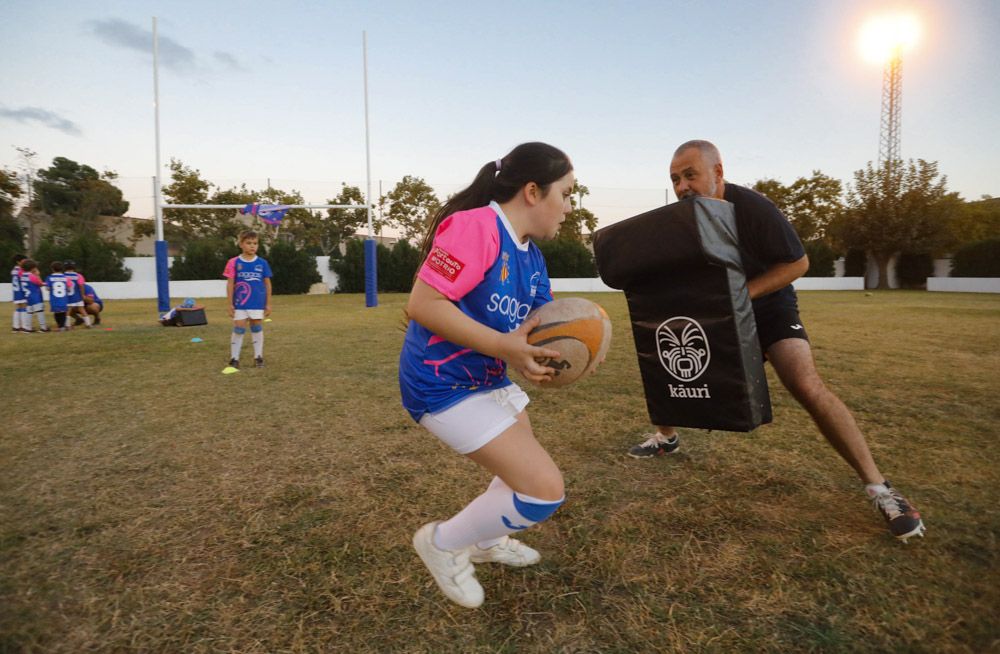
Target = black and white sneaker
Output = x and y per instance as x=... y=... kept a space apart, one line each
x=655 y=445
x=234 y=363
x=259 y=362
x=903 y=518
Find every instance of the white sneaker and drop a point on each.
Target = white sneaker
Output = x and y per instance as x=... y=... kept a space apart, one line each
x=508 y=551
x=452 y=570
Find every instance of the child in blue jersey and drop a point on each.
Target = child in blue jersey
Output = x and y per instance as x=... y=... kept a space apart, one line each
x=58 y=292
x=93 y=303
x=31 y=288
x=75 y=284
x=17 y=297
x=468 y=310
x=249 y=291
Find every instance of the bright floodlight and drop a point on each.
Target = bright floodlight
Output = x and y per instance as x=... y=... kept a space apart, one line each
x=887 y=36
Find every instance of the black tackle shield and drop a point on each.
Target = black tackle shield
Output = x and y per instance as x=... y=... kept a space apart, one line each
x=692 y=320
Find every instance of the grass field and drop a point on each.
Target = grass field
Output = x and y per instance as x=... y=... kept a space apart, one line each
x=149 y=503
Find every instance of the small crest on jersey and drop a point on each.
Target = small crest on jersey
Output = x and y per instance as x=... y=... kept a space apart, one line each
x=534 y=283
x=505 y=268
x=444 y=264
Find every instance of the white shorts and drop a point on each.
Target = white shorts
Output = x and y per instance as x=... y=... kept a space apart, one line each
x=75 y=304
x=478 y=419
x=253 y=314
x=20 y=301
x=36 y=308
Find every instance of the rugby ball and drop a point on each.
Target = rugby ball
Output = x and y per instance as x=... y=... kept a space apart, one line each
x=579 y=330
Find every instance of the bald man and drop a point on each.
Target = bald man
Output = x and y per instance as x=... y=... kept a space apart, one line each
x=773 y=257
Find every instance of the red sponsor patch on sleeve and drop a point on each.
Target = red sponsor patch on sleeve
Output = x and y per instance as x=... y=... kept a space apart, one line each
x=444 y=264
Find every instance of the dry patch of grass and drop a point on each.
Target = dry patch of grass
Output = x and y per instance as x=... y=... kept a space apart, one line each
x=149 y=503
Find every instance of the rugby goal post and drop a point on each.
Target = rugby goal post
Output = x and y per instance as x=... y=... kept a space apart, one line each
x=162 y=268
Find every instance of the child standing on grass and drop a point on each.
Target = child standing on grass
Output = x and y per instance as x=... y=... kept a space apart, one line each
x=480 y=278
x=18 y=298
x=58 y=292
x=249 y=291
x=31 y=288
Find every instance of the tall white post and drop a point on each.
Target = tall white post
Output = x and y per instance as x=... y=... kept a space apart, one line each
x=368 y=153
x=158 y=210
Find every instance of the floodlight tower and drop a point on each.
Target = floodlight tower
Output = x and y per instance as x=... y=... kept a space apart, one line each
x=892 y=107
x=883 y=39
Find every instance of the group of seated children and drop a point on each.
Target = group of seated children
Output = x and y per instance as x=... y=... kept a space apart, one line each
x=69 y=295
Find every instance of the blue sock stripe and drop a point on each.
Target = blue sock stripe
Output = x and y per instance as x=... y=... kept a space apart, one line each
x=533 y=509
x=256 y=328
x=239 y=330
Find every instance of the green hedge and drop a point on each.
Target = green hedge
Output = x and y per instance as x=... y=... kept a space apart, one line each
x=396 y=267
x=565 y=258
x=294 y=270
x=821 y=259
x=981 y=259
x=96 y=259
x=913 y=269
x=206 y=259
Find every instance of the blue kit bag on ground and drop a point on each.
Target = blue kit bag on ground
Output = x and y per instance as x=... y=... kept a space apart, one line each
x=692 y=319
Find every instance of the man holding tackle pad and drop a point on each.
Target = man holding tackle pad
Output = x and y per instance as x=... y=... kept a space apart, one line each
x=773 y=257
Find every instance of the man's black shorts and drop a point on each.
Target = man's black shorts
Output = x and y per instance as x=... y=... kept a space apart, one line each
x=778 y=322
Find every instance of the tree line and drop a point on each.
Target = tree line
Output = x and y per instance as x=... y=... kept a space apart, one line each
x=900 y=209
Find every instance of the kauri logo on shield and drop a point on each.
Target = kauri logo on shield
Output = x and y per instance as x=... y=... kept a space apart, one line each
x=682 y=346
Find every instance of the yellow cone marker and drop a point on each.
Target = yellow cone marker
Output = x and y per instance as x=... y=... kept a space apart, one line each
x=228 y=370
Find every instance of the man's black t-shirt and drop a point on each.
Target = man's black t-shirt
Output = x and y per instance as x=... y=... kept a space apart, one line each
x=765 y=238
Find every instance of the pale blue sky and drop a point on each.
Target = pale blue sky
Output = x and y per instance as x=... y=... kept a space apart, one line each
x=256 y=90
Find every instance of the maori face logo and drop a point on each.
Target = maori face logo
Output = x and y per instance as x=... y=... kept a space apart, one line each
x=682 y=346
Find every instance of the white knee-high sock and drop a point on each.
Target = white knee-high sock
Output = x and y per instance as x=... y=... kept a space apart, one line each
x=236 y=342
x=15 y=322
x=258 y=342
x=497 y=512
x=26 y=320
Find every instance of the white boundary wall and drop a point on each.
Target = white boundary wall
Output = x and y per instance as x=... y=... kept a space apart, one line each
x=964 y=284
x=143 y=283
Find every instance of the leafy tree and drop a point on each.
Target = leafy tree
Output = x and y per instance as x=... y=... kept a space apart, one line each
x=896 y=208
x=327 y=233
x=75 y=194
x=96 y=258
x=187 y=187
x=11 y=234
x=976 y=221
x=568 y=258
x=294 y=270
x=579 y=218
x=401 y=263
x=809 y=203
x=411 y=204
x=980 y=259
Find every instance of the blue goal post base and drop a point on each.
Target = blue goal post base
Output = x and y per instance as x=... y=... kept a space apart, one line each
x=162 y=277
x=371 y=273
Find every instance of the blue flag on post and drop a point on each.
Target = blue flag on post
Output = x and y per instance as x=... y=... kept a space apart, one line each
x=272 y=214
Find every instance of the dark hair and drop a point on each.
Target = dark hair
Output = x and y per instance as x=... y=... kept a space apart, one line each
x=247 y=234
x=29 y=264
x=69 y=264
x=56 y=266
x=18 y=258
x=501 y=180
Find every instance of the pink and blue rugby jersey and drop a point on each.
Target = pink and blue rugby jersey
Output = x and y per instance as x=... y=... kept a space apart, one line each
x=58 y=291
x=249 y=292
x=33 y=290
x=15 y=284
x=74 y=287
x=477 y=263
